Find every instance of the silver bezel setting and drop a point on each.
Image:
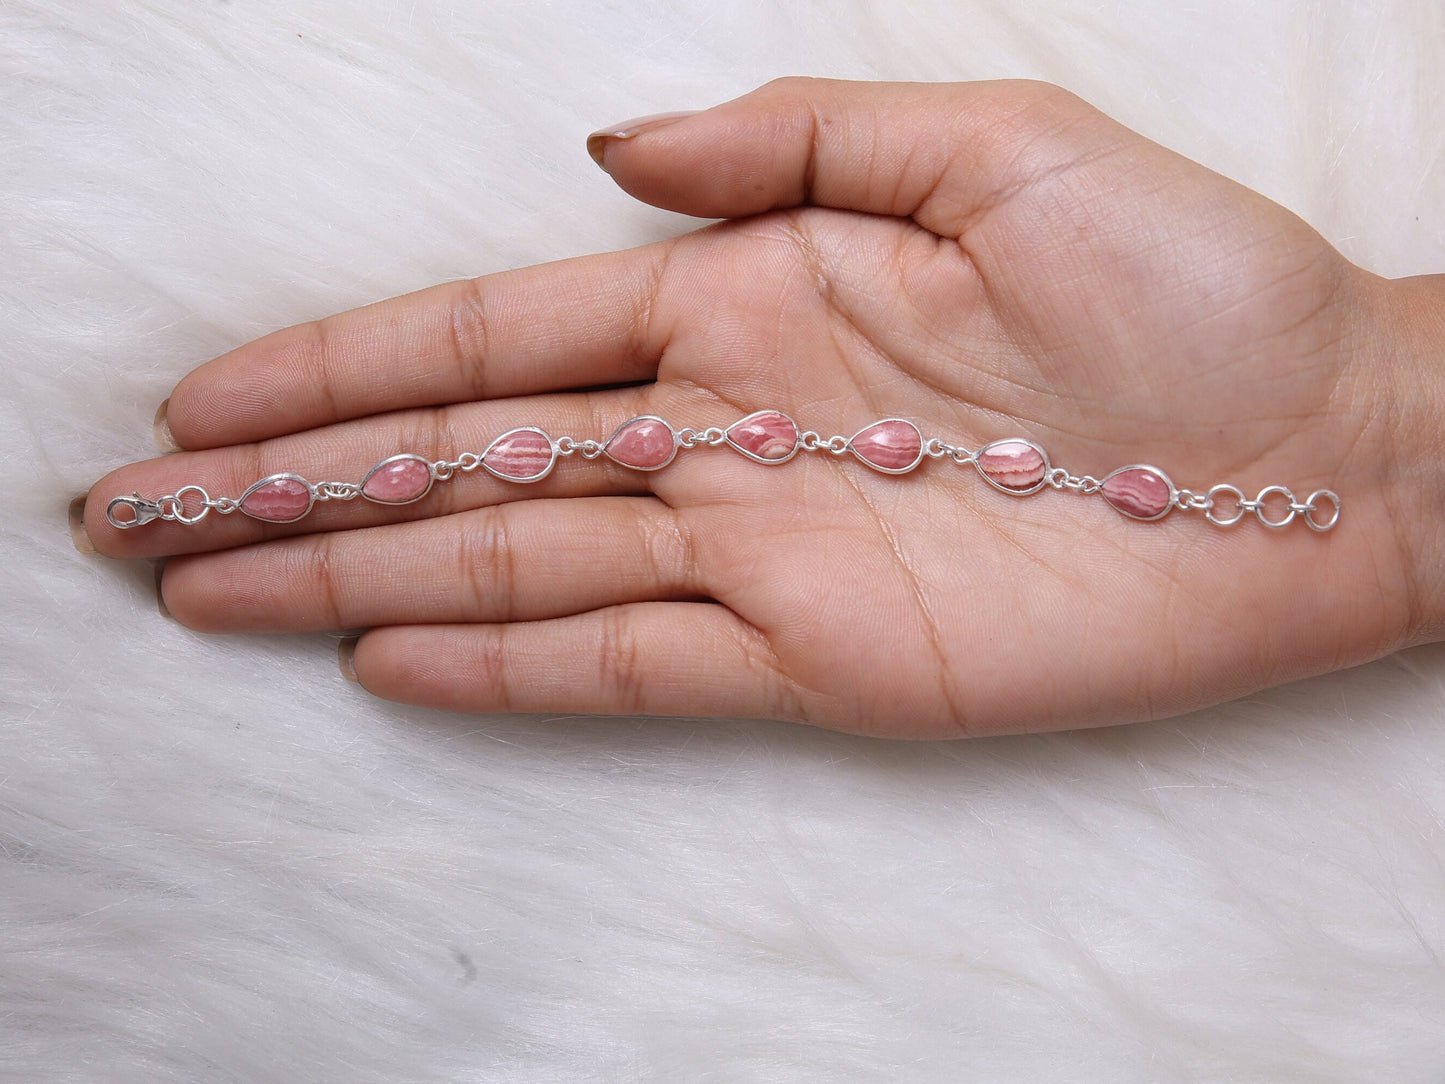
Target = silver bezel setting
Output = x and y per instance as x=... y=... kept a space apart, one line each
x=922 y=447
x=1173 y=493
x=552 y=462
x=1011 y=491
x=431 y=478
x=735 y=446
x=633 y=421
x=286 y=476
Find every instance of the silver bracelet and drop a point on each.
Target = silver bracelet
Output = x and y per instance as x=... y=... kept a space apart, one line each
x=1014 y=465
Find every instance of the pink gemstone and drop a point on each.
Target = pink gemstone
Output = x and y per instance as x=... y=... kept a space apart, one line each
x=645 y=443
x=767 y=435
x=1141 y=492
x=521 y=455
x=1014 y=465
x=279 y=498
x=892 y=445
x=398 y=480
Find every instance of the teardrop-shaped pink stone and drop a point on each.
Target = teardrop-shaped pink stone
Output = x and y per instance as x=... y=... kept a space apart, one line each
x=768 y=435
x=1012 y=464
x=643 y=444
x=520 y=455
x=400 y=481
x=278 y=499
x=1141 y=492
x=893 y=445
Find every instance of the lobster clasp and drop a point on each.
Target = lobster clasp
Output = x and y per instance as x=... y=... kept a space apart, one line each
x=142 y=511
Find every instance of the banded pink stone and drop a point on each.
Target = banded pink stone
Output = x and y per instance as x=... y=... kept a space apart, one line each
x=768 y=436
x=398 y=480
x=892 y=445
x=1014 y=465
x=644 y=443
x=1139 y=491
x=521 y=455
x=277 y=498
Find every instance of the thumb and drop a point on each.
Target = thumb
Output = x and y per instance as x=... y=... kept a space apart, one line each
x=935 y=152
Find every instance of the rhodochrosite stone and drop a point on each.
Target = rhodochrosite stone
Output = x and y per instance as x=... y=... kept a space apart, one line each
x=644 y=443
x=892 y=445
x=521 y=455
x=279 y=498
x=1014 y=465
x=1141 y=492
x=768 y=435
x=398 y=480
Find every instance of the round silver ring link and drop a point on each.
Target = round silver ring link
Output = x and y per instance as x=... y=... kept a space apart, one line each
x=1259 y=507
x=1312 y=506
x=1213 y=498
x=179 y=512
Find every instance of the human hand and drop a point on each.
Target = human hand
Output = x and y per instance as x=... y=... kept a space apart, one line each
x=987 y=260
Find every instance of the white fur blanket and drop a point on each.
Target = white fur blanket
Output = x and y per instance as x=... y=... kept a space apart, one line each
x=218 y=861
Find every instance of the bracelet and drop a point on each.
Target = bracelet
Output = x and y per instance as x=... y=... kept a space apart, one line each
x=1015 y=465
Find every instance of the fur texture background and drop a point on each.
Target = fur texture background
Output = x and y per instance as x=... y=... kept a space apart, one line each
x=218 y=861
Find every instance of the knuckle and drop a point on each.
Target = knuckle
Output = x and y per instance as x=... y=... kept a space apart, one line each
x=486 y=564
x=669 y=551
x=489 y=671
x=429 y=433
x=470 y=332
x=790 y=86
x=620 y=669
x=321 y=569
x=321 y=353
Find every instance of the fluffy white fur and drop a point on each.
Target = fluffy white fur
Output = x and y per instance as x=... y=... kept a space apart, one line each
x=220 y=862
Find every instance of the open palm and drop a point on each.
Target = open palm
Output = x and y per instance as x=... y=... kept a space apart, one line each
x=988 y=261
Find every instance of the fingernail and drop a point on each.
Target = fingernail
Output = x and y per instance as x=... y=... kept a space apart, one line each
x=600 y=140
x=77 y=525
x=160 y=596
x=346 y=656
x=161 y=430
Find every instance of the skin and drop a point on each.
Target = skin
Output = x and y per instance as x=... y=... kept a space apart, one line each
x=988 y=260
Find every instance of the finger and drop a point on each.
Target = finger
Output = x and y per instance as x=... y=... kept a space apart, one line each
x=347 y=452
x=577 y=323
x=937 y=152
x=524 y=561
x=653 y=658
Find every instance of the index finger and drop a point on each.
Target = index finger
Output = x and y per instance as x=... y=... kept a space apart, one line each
x=576 y=323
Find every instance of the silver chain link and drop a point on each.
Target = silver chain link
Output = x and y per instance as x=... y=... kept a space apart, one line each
x=1062 y=479
x=941 y=449
x=336 y=491
x=587 y=449
x=814 y=442
x=688 y=437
